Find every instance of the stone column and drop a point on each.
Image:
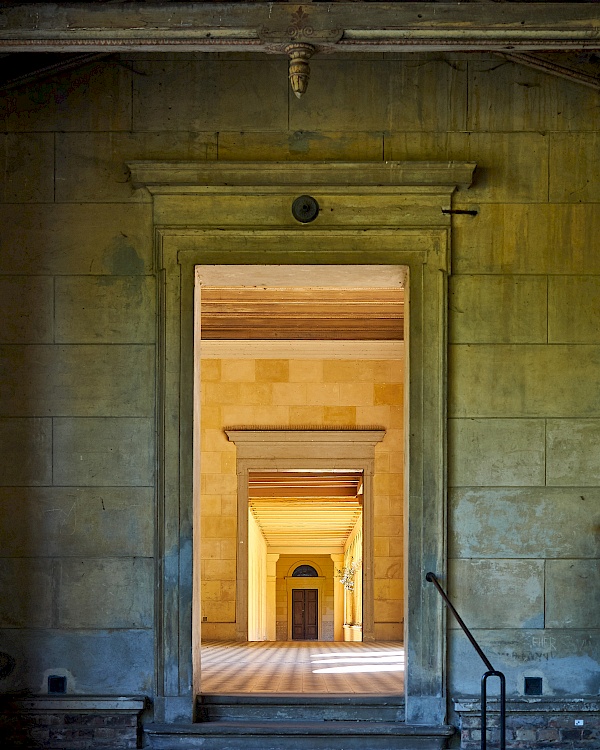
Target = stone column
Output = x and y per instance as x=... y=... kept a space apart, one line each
x=272 y=596
x=338 y=598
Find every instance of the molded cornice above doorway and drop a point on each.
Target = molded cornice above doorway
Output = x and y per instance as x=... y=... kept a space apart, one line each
x=305 y=443
x=259 y=195
x=181 y=177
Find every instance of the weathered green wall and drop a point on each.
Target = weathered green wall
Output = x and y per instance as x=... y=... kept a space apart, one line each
x=524 y=433
x=77 y=387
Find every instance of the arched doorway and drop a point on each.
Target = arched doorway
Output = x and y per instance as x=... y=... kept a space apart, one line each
x=305 y=603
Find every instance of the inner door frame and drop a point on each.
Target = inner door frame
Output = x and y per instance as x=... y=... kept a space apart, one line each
x=304 y=449
x=317 y=586
x=373 y=213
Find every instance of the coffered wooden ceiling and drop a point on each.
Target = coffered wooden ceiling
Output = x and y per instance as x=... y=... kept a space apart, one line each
x=306 y=509
x=242 y=313
x=303 y=485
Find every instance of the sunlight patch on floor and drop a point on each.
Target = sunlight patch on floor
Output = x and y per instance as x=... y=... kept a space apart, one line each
x=361 y=668
x=302 y=667
x=372 y=661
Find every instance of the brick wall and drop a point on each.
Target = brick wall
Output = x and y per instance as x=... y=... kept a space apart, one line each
x=540 y=724
x=70 y=724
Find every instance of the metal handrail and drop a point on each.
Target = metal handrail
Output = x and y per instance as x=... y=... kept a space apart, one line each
x=432 y=578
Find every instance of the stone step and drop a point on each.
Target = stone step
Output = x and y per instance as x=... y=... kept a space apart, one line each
x=299 y=735
x=378 y=708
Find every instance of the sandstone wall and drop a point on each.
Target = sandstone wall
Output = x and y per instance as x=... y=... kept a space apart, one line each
x=299 y=392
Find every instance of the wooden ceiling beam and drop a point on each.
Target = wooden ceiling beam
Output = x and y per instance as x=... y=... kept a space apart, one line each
x=572 y=66
x=20 y=70
x=270 y=27
x=352 y=331
x=283 y=489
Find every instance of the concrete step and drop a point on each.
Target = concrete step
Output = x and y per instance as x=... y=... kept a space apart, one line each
x=377 y=708
x=299 y=735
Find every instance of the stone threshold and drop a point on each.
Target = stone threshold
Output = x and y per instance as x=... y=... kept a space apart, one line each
x=298 y=735
x=300 y=708
x=272 y=728
x=304 y=699
x=282 y=728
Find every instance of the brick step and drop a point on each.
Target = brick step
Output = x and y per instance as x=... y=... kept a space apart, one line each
x=299 y=735
x=377 y=708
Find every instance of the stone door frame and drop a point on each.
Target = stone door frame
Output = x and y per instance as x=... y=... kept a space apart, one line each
x=371 y=213
x=304 y=584
x=268 y=450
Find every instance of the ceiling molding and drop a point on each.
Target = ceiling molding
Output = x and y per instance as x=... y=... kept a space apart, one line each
x=291 y=277
x=270 y=27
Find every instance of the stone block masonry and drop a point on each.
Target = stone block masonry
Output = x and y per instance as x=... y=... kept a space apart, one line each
x=78 y=394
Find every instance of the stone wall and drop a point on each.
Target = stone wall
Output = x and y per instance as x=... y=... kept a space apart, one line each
x=524 y=464
x=77 y=305
x=78 y=333
x=299 y=392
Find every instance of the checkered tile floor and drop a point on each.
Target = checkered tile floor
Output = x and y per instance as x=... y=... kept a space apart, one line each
x=297 y=667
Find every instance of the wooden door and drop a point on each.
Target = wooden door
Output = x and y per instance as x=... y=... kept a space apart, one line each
x=305 y=614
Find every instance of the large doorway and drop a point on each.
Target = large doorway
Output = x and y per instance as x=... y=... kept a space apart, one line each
x=373 y=213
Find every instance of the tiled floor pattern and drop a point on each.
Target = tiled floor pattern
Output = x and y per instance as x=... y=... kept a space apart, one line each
x=296 y=667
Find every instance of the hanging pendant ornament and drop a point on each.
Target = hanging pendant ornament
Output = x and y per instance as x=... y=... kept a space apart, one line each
x=299 y=53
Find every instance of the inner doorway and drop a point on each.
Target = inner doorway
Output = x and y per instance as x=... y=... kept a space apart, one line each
x=305 y=614
x=305 y=530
